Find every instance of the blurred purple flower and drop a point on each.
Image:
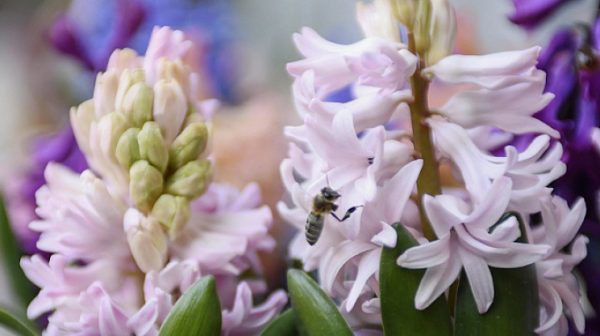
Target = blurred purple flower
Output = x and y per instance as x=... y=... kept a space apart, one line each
x=531 y=13
x=20 y=190
x=573 y=75
x=91 y=29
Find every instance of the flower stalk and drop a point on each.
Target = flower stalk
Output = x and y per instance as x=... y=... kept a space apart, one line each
x=429 y=179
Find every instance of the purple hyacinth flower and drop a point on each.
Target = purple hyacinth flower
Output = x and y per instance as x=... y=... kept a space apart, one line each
x=572 y=65
x=531 y=13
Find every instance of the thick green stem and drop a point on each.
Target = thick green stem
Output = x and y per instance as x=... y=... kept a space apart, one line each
x=429 y=180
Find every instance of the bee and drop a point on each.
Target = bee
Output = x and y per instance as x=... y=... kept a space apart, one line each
x=323 y=204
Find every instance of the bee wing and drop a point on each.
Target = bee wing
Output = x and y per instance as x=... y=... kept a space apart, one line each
x=301 y=198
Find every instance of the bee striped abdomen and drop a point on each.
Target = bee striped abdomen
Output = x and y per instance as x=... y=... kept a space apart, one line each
x=314 y=227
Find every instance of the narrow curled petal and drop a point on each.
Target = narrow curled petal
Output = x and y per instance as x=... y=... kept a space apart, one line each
x=436 y=280
x=427 y=255
x=480 y=279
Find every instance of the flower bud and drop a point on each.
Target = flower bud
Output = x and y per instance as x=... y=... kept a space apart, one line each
x=105 y=93
x=190 y=180
x=422 y=27
x=145 y=184
x=152 y=146
x=443 y=31
x=128 y=78
x=122 y=59
x=110 y=129
x=128 y=149
x=188 y=145
x=82 y=117
x=146 y=240
x=173 y=212
x=170 y=108
x=137 y=104
x=405 y=11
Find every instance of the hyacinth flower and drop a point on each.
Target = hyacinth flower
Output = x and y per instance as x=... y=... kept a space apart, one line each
x=571 y=62
x=413 y=253
x=142 y=232
x=89 y=31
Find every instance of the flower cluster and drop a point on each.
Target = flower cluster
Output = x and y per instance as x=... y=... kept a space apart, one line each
x=571 y=62
x=134 y=232
x=381 y=151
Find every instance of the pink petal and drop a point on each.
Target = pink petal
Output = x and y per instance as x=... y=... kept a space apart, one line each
x=492 y=206
x=427 y=255
x=386 y=237
x=441 y=219
x=398 y=189
x=480 y=279
x=553 y=304
x=369 y=264
x=485 y=70
x=337 y=258
x=436 y=280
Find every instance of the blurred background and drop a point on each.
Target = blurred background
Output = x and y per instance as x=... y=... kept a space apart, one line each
x=51 y=50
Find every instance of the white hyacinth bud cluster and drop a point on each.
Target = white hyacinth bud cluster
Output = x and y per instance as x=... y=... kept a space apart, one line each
x=146 y=131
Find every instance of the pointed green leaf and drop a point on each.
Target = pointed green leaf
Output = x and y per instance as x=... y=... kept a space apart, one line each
x=11 y=255
x=21 y=326
x=398 y=288
x=284 y=325
x=515 y=310
x=315 y=313
x=197 y=312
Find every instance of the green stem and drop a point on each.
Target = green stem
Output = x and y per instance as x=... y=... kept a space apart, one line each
x=429 y=179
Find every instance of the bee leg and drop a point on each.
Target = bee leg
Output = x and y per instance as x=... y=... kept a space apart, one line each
x=347 y=215
x=334 y=207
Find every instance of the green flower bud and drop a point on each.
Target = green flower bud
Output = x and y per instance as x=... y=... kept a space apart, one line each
x=138 y=104
x=443 y=31
x=153 y=147
x=190 y=180
x=188 y=145
x=110 y=129
x=128 y=149
x=145 y=184
x=422 y=27
x=405 y=11
x=173 y=212
x=193 y=117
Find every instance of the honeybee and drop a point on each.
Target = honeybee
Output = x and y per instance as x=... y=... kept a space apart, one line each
x=323 y=204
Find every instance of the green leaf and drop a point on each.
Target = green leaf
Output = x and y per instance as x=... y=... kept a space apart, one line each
x=515 y=310
x=284 y=325
x=315 y=313
x=21 y=326
x=197 y=312
x=398 y=288
x=24 y=290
